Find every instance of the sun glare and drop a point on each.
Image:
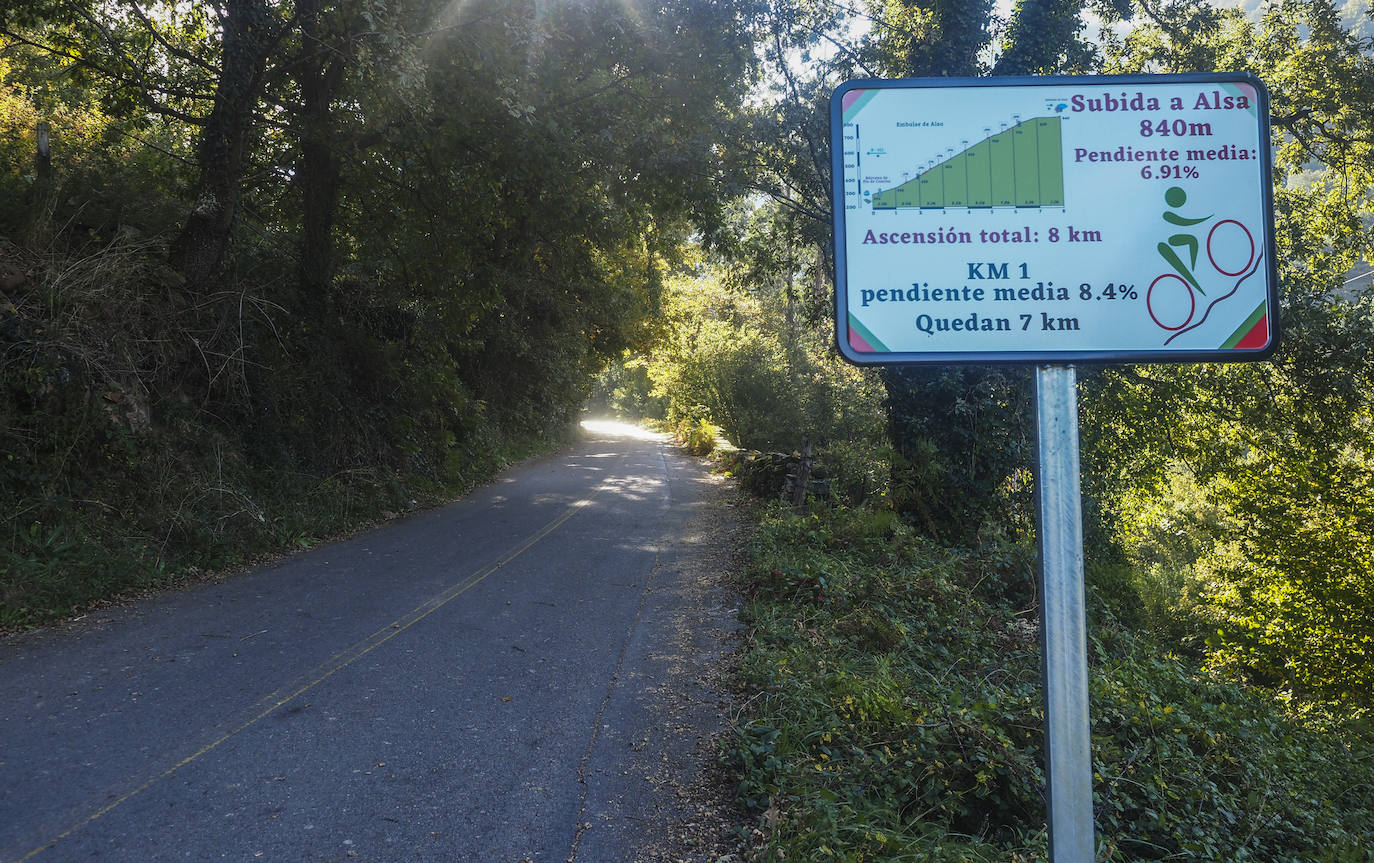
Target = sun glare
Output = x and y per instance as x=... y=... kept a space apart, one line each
x=616 y=428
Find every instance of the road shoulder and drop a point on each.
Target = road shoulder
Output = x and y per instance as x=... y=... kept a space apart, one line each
x=680 y=674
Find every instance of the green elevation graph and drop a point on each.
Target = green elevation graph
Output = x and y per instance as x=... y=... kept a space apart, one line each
x=1020 y=167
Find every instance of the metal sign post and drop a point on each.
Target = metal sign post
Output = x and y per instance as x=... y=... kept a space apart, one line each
x=1063 y=628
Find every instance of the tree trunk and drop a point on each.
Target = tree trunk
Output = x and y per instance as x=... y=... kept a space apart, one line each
x=319 y=74
x=249 y=33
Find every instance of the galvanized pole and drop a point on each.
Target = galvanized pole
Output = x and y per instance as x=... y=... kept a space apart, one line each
x=1063 y=620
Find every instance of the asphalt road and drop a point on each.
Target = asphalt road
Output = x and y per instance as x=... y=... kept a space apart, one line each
x=513 y=677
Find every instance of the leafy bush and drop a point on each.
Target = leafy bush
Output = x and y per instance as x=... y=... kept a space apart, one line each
x=47 y=569
x=696 y=432
x=624 y=389
x=862 y=469
x=743 y=382
x=962 y=437
x=699 y=436
x=764 y=381
x=117 y=479
x=895 y=711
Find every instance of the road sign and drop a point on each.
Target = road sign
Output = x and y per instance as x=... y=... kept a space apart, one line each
x=1055 y=219
x=1052 y=221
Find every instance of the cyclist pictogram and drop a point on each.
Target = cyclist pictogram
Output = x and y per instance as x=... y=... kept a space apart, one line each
x=1231 y=253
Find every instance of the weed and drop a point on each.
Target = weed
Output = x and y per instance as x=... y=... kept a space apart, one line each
x=894 y=713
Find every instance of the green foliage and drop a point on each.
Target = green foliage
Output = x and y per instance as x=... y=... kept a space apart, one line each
x=115 y=485
x=50 y=569
x=731 y=342
x=1240 y=493
x=1045 y=38
x=963 y=444
x=1169 y=539
x=624 y=389
x=862 y=471
x=697 y=433
x=743 y=380
x=934 y=38
x=439 y=222
x=103 y=181
x=895 y=713
x=1194 y=767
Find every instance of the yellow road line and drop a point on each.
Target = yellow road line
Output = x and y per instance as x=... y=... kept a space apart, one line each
x=328 y=668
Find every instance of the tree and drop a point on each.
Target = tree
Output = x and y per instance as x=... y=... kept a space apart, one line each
x=1277 y=456
x=962 y=434
x=203 y=65
x=249 y=32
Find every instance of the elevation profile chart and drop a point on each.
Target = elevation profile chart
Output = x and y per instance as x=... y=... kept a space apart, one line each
x=1022 y=166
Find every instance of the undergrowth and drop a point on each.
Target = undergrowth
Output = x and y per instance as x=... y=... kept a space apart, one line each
x=893 y=712
x=143 y=443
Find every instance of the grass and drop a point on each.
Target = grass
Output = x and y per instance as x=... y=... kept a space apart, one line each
x=893 y=712
x=180 y=516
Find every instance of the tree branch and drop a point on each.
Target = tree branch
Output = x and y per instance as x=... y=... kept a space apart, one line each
x=119 y=79
x=1175 y=33
x=170 y=48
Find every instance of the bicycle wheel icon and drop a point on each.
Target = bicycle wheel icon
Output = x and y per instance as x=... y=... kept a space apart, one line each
x=1174 y=294
x=1226 y=248
x=1172 y=302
